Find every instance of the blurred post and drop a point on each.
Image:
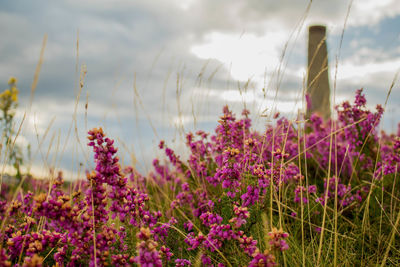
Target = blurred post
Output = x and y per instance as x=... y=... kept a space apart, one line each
x=317 y=76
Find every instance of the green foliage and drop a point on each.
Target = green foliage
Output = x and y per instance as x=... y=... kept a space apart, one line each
x=8 y=105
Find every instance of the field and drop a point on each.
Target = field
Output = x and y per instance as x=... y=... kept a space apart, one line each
x=303 y=192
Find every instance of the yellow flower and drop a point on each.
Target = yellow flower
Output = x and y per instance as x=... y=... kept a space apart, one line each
x=14 y=94
x=5 y=94
x=12 y=80
x=14 y=97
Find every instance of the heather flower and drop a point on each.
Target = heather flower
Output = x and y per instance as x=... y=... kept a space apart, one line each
x=241 y=215
x=119 y=259
x=162 y=171
x=148 y=255
x=182 y=262
x=33 y=261
x=160 y=232
x=194 y=241
x=360 y=100
x=277 y=239
x=247 y=243
x=297 y=194
x=263 y=259
x=312 y=189
x=59 y=256
x=251 y=196
x=209 y=218
x=4 y=259
x=206 y=261
x=201 y=203
x=279 y=154
x=188 y=226
x=344 y=194
x=166 y=253
x=147 y=249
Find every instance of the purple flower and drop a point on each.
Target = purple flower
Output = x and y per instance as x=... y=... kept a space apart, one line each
x=277 y=239
x=182 y=262
x=251 y=196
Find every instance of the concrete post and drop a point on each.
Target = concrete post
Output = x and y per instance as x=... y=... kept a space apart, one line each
x=317 y=74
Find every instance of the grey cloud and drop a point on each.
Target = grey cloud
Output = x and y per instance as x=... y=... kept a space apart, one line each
x=149 y=38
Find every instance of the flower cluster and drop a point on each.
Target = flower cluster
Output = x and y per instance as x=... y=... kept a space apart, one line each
x=9 y=96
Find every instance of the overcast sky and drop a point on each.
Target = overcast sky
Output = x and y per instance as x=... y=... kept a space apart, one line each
x=205 y=48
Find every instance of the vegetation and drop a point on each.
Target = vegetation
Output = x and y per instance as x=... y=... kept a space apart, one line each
x=304 y=192
x=8 y=105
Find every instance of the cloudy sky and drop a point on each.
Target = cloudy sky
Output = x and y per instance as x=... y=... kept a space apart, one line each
x=159 y=68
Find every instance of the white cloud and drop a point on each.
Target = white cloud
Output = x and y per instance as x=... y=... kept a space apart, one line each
x=349 y=70
x=371 y=12
x=245 y=56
